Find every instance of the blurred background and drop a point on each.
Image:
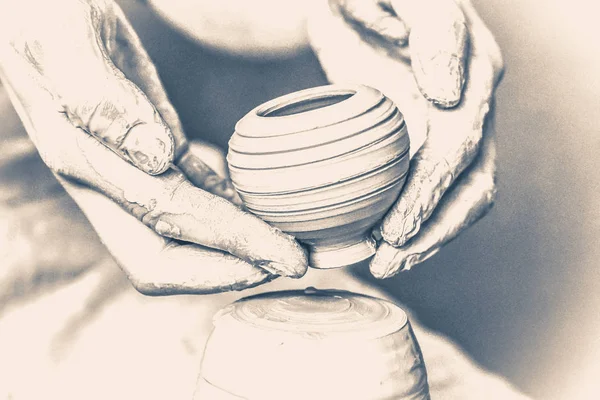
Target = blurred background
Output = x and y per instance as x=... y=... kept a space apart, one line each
x=519 y=291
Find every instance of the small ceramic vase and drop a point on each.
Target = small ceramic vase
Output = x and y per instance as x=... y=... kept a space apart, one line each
x=314 y=345
x=324 y=165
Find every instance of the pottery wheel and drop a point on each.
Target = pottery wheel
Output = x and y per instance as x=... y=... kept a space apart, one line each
x=317 y=344
x=320 y=313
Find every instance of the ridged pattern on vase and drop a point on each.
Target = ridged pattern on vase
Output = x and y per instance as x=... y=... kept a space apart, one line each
x=314 y=345
x=323 y=164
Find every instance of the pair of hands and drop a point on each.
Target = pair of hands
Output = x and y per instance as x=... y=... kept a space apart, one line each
x=92 y=103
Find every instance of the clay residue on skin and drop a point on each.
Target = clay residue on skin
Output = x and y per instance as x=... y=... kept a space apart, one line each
x=149 y=146
x=438 y=62
x=167 y=229
x=238 y=233
x=190 y=214
x=398 y=51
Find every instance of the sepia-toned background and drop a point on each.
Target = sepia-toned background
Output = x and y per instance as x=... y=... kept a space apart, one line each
x=519 y=291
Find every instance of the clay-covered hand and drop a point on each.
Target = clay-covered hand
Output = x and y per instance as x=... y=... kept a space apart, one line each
x=440 y=64
x=92 y=103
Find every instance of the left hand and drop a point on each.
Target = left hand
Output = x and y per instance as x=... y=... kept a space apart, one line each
x=92 y=103
x=440 y=64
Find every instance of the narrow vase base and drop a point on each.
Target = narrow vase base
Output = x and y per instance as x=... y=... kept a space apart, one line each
x=327 y=257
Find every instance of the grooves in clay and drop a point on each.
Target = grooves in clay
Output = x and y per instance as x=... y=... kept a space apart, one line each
x=318 y=344
x=318 y=313
x=324 y=165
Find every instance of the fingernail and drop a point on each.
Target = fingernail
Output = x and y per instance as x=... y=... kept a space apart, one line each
x=410 y=232
x=282 y=269
x=443 y=79
x=398 y=234
x=384 y=271
x=393 y=234
x=386 y=262
x=377 y=270
x=150 y=147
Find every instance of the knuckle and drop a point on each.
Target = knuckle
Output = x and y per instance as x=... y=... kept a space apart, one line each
x=492 y=48
x=493 y=190
x=496 y=57
x=490 y=189
x=500 y=65
x=110 y=112
x=492 y=197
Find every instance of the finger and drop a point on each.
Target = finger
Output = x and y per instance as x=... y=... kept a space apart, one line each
x=212 y=155
x=375 y=18
x=438 y=40
x=129 y=55
x=347 y=58
x=67 y=55
x=470 y=198
x=174 y=208
x=438 y=47
x=445 y=154
x=206 y=167
x=168 y=203
x=204 y=177
x=159 y=266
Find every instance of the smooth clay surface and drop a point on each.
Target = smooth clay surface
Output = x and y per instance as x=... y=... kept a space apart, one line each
x=312 y=344
x=323 y=164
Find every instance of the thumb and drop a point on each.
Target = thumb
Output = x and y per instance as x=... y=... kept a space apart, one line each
x=438 y=44
x=69 y=59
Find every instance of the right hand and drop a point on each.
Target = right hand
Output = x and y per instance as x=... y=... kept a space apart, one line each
x=92 y=103
x=440 y=64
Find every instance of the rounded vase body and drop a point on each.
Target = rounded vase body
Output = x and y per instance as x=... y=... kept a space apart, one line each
x=324 y=165
x=312 y=344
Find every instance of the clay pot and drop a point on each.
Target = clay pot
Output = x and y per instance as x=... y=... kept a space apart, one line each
x=324 y=165
x=312 y=344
